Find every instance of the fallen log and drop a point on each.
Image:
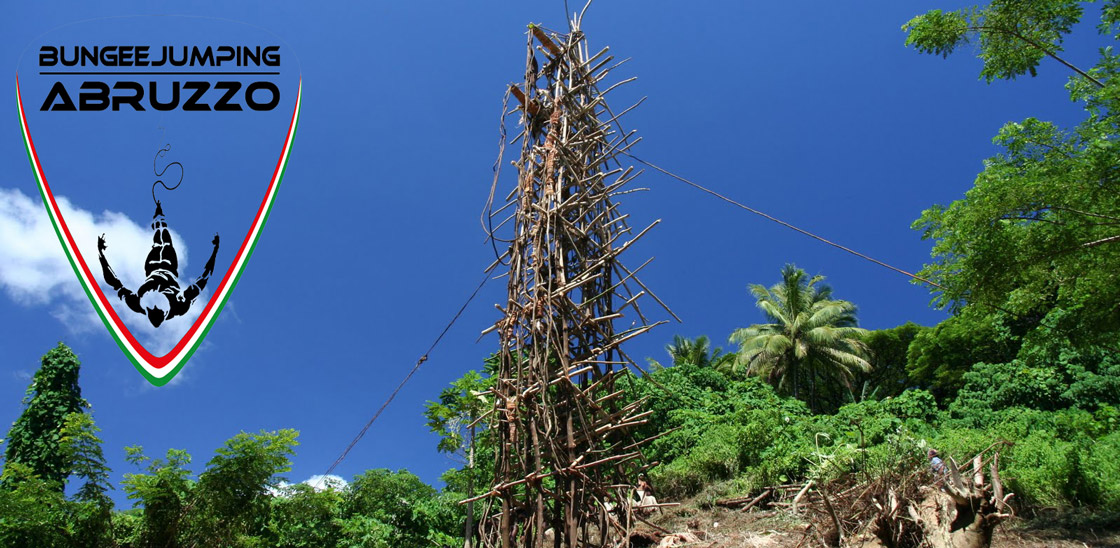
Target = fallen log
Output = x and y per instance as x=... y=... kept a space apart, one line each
x=765 y=495
x=744 y=504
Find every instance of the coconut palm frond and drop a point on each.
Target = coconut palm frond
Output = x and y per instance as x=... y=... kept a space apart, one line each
x=810 y=336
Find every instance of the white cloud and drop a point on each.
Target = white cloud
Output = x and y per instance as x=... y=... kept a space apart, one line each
x=321 y=482
x=34 y=270
x=318 y=482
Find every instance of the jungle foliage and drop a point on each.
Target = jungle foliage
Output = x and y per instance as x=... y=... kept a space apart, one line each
x=239 y=499
x=1027 y=262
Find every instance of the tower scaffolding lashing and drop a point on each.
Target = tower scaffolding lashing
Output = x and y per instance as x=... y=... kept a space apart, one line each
x=565 y=457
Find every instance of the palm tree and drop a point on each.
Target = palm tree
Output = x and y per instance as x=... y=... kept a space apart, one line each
x=810 y=337
x=697 y=352
x=694 y=351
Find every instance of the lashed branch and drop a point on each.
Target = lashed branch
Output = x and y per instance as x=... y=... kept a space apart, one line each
x=565 y=457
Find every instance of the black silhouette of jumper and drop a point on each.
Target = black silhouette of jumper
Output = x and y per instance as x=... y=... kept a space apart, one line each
x=162 y=271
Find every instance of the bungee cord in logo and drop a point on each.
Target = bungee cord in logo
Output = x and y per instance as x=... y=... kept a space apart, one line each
x=159 y=298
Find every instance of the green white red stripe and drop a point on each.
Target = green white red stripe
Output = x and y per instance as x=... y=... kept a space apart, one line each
x=159 y=370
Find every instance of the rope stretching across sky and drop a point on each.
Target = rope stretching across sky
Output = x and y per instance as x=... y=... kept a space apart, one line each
x=697 y=186
x=783 y=223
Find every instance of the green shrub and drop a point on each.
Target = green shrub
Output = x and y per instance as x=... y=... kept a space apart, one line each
x=303 y=517
x=717 y=456
x=960 y=444
x=1102 y=471
x=1049 y=408
x=33 y=511
x=127 y=527
x=1043 y=470
x=677 y=479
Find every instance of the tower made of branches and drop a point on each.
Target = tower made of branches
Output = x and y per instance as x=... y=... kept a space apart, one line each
x=565 y=462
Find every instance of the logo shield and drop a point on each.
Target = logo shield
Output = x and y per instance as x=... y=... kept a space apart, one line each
x=158 y=145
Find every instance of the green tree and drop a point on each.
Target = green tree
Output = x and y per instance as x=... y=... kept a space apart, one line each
x=33 y=511
x=386 y=509
x=888 y=348
x=164 y=491
x=53 y=440
x=1013 y=35
x=1038 y=236
x=304 y=517
x=228 y=505
x=938 y=358
x=811 y=339
x=697 y=352
x=82 y=448
x=93 y=509
x=234 y=492
x=35 y=439
x=455 y=418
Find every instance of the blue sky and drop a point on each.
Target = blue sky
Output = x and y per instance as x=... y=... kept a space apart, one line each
x=813 y=112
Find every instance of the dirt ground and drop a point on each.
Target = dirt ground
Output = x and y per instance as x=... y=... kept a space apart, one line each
x=724 y=528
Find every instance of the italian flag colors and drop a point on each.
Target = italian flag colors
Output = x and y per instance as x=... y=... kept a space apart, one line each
x=159 y=370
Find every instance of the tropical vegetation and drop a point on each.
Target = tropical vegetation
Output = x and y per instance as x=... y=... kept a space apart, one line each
x=1027 y=264
x=811 y=340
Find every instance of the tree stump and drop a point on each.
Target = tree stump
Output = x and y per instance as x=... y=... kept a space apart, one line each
x=953 y=512
x=963 y=513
